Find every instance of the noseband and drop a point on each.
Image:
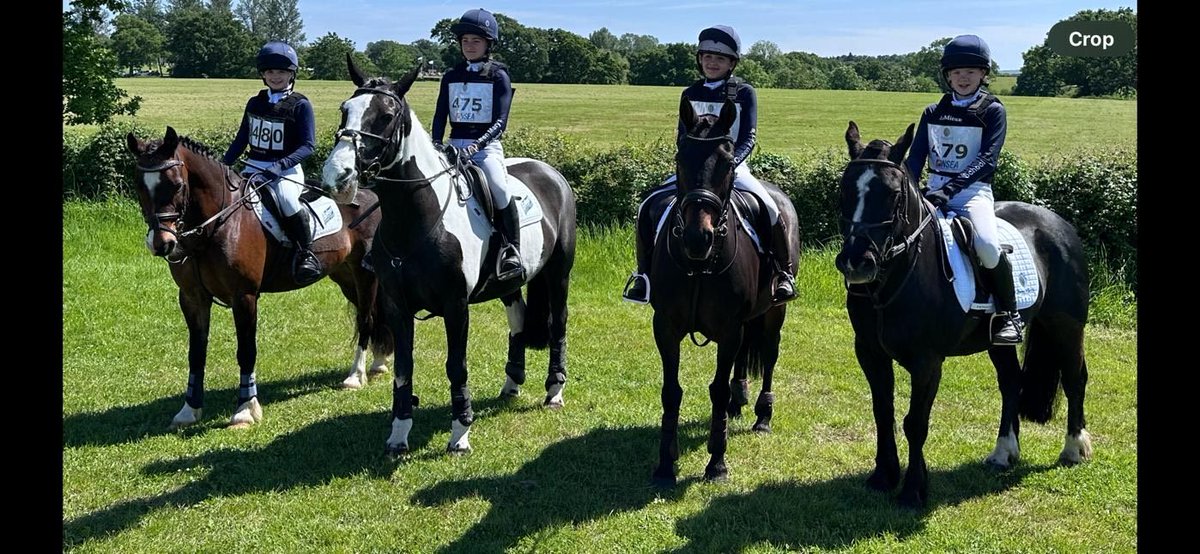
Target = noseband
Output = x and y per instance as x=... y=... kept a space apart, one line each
x=706 y=199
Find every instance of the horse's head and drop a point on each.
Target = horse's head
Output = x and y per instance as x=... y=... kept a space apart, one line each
x=879 y=206
x=375 y=121
x=704 y=170
x=161 y=181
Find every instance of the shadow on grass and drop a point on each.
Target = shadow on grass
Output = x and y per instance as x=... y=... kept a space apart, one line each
x=326 y=450
x=573 y=481
x=151 y=419
x=832 y=514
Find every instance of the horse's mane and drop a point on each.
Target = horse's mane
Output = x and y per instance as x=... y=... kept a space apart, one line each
x=200 y=148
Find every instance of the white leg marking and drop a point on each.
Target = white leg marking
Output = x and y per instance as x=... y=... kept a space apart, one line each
x=248 y=413
x=186 y=416
x=458 y=438
x=379 y=366
x=554 y=396
x=510 y=388
x=358 y=370
x=398 y=440
x=1076 y=449
x=1006 y=454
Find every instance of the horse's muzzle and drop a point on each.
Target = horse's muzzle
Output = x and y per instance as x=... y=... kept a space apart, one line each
x=858 y=270
x=697 y=243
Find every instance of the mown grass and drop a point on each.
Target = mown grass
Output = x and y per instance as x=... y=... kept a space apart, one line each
x=312 y=476
x=791 y=122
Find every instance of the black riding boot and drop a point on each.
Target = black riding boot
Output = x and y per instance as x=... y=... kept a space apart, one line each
x=509 y=264
x=637 y=288
x=1005 y=295
x=306 y=268
x=785 y=281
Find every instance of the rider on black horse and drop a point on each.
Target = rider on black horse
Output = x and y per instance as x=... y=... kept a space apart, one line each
x=961 y=136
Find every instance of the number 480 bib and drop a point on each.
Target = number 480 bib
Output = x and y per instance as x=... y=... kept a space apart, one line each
x=471 y=102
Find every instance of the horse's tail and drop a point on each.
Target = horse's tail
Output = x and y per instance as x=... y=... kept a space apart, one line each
x=382 y=341
x=1045 y=357
x=537 y=312
x=750 y=355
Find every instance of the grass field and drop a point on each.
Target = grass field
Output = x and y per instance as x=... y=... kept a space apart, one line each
x=792 y=122
x=312 y=476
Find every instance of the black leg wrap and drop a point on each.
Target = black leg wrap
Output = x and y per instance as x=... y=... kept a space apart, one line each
x=763 y=407
x=404 y=408
x=741 y=392
x=194 y=397
x=460 y=405
x=556 y=378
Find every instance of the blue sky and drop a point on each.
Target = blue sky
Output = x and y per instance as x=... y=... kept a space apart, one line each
x=823 y=27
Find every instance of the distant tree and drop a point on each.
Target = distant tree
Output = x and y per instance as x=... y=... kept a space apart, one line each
x=630 y=43
x=204 y=43
x=604 y=40
x=570 y=57
x=608 y=68
x=843 y=77
x=896 y=78
x=391 y=57
x=89 y=95
x=754 y=73
x=150 y=11
x=136 y=42
x=927 y=62
x=272 y=20
x=800 y=70
x=429 y=50
x=327 y=58
x=766 y=53
x=1045 y=73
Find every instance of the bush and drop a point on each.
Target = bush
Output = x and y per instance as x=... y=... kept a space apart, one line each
x=1095 y=191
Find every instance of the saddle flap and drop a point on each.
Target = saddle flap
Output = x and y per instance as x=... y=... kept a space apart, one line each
x=477 y=183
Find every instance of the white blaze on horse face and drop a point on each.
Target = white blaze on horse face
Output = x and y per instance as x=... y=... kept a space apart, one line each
x=343 y=155
x=150 y=180
x=864 y=185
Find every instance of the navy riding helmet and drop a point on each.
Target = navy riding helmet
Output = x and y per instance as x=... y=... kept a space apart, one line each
x=719 y=39
x=277 y=55
x=966 y=51
x=477 y=22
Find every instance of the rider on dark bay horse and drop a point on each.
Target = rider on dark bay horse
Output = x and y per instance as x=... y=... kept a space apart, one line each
x=962 y=135
x=717 y=55
x=279 y=128
x=475 y=95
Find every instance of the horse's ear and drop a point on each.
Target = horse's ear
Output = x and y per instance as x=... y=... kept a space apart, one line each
x=728 y=116
x=408 y=79
x=170 y=141
x=902 y=145
x=852 y=140
x=687 y=115
x=356 y=74
x=135 y=145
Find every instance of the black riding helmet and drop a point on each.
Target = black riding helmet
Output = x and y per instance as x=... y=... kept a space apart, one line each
x=719 y=39
x=966 y=51
x=277 y=55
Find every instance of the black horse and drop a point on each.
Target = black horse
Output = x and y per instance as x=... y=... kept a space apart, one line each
x=903 y=307
x=435 y=247
x=706 y=276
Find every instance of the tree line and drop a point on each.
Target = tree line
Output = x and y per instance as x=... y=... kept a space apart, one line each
x=218 y=38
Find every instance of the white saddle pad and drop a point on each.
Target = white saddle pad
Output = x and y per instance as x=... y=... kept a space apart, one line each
x=1025 y=277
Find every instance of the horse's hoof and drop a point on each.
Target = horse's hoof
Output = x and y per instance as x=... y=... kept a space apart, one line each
x=719 y=474
x=458 y=450
x=551 y=404
x=878 y=481
x=911 y=500
x=186 y=417
x=378 y=370
x=762 y=427
x=1076 y=450
x=352 y=383
x=247 y=414
x=663 y=481
x=395 y=452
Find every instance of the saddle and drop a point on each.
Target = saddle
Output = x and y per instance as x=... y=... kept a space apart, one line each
x=964 y=235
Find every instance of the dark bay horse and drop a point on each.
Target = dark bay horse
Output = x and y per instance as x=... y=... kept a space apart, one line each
x=706 y=277
x=201 y=220
x=903 y=308
x=435 y=249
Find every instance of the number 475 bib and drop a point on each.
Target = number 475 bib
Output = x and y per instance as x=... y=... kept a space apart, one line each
x=471 y=102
